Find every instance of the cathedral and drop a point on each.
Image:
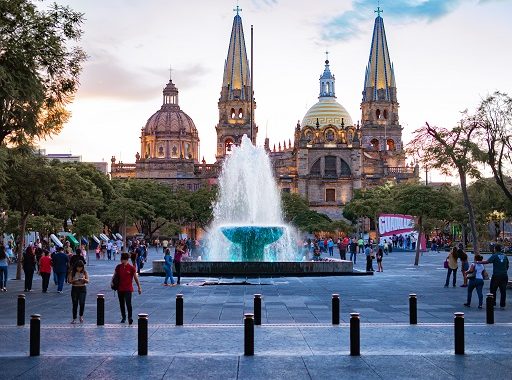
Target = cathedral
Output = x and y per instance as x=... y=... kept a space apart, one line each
x=329 y=156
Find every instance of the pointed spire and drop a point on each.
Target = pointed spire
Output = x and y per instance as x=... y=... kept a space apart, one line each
x=379 y=82
x=236 y=69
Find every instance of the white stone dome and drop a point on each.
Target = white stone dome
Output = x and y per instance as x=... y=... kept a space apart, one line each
x=328 y=111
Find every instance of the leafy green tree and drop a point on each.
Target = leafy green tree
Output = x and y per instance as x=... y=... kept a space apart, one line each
x=87 y=225
x=201 y=203
x=39 y=69
x=423 y=202
x=125 y=211
x=29 y=189
x=44 y=224
x=448 y=151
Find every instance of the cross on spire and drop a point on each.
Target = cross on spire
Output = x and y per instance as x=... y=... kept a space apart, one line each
x=327 y=55
x=237 y=9
x=378 y=11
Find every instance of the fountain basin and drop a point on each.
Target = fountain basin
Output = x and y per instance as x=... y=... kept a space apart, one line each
x=252 y=240
x=260 y=269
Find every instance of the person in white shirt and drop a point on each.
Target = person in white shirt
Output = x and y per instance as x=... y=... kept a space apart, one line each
x=109 y=249
x=476 y=280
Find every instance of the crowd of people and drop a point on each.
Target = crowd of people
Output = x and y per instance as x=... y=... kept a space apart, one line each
x=313 y=249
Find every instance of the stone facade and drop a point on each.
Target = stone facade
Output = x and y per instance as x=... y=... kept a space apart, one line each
x=330 y=157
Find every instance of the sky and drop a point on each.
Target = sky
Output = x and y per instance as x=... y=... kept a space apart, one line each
x=447 y=55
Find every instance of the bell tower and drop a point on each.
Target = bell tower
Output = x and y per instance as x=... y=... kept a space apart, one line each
x=380 y=127
x=235 y=96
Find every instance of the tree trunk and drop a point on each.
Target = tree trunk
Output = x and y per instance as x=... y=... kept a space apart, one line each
x=124 y=235
x=418 y=243
x=23 y=227
x=471 y=213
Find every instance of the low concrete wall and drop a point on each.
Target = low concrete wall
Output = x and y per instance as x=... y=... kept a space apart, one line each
x=228 y=268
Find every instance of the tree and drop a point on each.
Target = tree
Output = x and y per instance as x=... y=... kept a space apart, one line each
x=201 y=203
x=28 y=190
x=422 y=202
x=87 y=225
x=39 y=69
x=449 y=150
x=369 y=203
x=494 y=148
x=125 y=211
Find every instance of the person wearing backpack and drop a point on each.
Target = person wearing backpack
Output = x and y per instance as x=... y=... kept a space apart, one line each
x=475 y=276
x=122 y=281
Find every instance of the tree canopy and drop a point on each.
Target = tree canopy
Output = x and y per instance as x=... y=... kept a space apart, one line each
x=40 y=65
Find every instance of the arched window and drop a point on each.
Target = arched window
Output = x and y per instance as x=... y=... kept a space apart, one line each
x=233 y=114
x=385 y=114
x=188 y=154
x=161 y=151
x=375 y=144
x=228 y=146
x=308 y=135
x=174 y=151
x=240 y=113
x=330 y=167
x=148 y=151
x=315 y=169
x=377 y=114
x=390 y=144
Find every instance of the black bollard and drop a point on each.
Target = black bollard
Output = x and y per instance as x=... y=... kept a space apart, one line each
x=248 y=334
x=100 y=310
x=355 y=335
x=257 y=309
x=143 y=334
x=179 y=309
x=459 y=333
x=335 y=309
x=35 y=335
x=21 y=310
x=489 y=307
x=413 y=309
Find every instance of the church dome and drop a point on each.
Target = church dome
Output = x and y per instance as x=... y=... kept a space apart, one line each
x=170 y=133
x=170 y=118
x=327 y=111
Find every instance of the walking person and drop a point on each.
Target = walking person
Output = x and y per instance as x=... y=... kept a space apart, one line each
x=476 y=280
x=126 y=274
x=78 y=278
x=353 y=250
x=60 y=265
x=464 y=264
x=178 y=254
x=168 y=267
x=499 y=279
x=4 y=268
x=379 y=257
x=368 y=254
x=29 y=266
x=45 y=269
x=330 y=247
x=452 y=267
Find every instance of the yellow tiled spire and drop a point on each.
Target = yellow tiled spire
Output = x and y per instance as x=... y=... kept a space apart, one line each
x=236 y=69
x=379 y=83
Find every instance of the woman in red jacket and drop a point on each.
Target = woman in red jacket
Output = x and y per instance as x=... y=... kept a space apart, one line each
x=126 y=273
x=45 y=269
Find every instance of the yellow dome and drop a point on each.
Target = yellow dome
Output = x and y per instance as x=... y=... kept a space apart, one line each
x=327 y=111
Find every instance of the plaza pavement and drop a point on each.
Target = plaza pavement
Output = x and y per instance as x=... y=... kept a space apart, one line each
x=296 y=340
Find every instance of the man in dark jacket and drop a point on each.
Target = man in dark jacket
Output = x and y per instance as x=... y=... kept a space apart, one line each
x=60 y=263
x=76 y=258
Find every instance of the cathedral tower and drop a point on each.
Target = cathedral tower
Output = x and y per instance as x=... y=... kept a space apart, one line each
x=379 y=108
x=235 y=96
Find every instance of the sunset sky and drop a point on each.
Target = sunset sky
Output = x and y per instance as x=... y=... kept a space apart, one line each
x=447 y=55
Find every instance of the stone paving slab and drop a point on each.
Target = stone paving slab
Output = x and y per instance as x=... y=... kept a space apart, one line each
x=259 y=367
x=298 y=340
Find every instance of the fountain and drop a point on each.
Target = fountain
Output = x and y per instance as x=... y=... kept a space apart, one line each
x=248 y=235
x=248 y=223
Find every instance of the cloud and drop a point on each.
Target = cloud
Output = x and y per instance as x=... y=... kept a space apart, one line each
x=346 y=25
x=105 y=76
